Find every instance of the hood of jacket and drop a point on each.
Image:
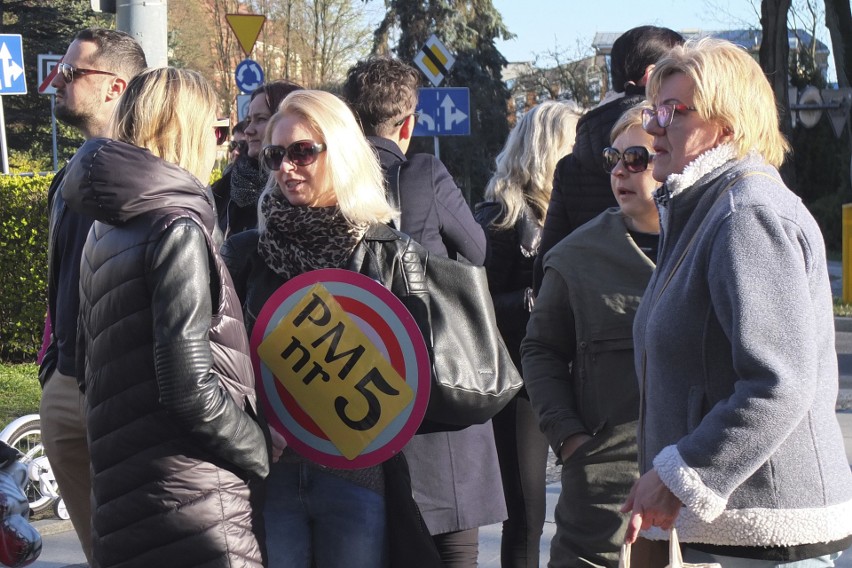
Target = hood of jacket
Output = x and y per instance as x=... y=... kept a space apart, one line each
x=115 y=182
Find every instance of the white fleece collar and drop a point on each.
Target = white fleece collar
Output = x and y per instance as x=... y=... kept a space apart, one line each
x=699 y=167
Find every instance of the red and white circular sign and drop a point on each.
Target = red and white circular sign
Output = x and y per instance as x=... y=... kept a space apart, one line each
x=342 y=370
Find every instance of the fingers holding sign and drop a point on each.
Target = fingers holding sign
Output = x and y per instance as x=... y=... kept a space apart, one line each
x=651 y=504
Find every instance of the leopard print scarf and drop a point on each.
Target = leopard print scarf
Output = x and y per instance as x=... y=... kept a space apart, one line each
x=300 y=239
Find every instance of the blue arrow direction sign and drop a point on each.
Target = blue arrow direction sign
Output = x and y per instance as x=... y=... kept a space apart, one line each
x=12 y=81
x=443 y=112
x=249 y=75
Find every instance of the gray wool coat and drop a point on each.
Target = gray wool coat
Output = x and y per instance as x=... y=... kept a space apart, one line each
x=736 y=362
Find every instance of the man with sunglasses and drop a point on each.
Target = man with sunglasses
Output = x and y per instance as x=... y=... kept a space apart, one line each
x=89 y=82
x=383 y=94
x=581 y=189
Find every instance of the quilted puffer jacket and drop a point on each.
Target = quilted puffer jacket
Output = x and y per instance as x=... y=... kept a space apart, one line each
x=177 y=454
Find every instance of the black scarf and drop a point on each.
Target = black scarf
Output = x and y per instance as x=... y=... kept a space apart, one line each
x=247 y=181
x=300 y=239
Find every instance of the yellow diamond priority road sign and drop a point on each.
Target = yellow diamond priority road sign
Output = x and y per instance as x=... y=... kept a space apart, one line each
x=435 y=60
x=247 y=28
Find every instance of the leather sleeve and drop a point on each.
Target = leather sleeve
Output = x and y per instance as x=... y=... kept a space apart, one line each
x=236 y=252
x=192 y=394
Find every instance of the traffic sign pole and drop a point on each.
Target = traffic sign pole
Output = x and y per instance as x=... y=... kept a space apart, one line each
x=53 y=135
x=3 y=138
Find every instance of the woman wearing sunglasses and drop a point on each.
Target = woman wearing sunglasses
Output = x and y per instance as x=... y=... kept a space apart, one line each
x=512 y=217
x=325 y=200
x=176 y=452
x=578 y=356
x=237 y=191
x=739 y=445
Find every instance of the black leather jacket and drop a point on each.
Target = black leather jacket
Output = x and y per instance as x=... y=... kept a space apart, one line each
x=163 y=358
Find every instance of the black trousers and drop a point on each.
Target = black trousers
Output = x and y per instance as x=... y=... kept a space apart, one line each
x=522 y=451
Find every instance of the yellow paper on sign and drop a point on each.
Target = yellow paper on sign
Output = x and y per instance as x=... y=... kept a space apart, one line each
x=334 y=372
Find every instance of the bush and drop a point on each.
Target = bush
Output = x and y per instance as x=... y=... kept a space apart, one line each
x=828 y=212
x=23 y=265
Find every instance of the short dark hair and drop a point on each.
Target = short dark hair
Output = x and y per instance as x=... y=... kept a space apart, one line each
x=118 y=51
x=275 y=92
x=239 y=127
x=637 y=48
x=381 y=91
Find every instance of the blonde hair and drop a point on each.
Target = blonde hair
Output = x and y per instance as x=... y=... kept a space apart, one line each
x=525 y=166
x=730 y=88
x=170 y=112
x=354 y=172
x=631 y=118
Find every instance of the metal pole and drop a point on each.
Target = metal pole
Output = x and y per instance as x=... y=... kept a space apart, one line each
x=147 y=21
x=437 y=147
x=53 y=129
x=3 y=138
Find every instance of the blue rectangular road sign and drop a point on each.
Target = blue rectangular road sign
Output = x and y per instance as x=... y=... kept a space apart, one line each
x=12 y=81
x=444 y=112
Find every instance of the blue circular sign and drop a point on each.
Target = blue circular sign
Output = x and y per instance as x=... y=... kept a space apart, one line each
x=249 y=75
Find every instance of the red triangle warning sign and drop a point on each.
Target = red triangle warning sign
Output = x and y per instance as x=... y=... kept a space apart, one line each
x=247 y=28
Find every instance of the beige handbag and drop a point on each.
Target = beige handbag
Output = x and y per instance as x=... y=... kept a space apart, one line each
x=675 y=557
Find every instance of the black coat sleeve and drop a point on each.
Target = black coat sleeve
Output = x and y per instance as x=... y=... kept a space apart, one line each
x=190 y=392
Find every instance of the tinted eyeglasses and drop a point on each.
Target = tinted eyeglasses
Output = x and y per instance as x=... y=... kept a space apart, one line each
x=664 y=114
x=634 y=158
x=240 y=145
x=67 y=72
x=301 y=153
x=222 y=128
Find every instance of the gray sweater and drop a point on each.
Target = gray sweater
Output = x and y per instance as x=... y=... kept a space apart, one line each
x=736 y=363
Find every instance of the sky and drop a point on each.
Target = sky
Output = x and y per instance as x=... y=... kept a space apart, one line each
x=543 y=26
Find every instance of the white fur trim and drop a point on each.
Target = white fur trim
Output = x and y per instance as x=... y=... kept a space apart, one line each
x=764 y=527
x=687 y=486
x=699 y=167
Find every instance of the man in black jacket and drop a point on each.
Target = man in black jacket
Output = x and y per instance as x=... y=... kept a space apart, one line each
x=92 y=77
x=581 y=187
x=455 y=476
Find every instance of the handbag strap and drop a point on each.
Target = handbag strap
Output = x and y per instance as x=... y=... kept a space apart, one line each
x=393 y=197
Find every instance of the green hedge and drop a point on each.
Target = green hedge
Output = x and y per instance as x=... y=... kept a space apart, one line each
x=23 y=265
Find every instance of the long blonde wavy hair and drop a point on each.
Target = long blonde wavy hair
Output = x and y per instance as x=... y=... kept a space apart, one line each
x=525 y=166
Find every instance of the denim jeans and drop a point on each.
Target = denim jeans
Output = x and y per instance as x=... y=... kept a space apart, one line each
x=690 y=555
x=315 y=515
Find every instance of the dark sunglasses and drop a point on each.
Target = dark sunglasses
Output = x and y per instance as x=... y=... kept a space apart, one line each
x=67 y=72
x=240 y=145
x=634 y=158
x=301 y=153
x=222 y=128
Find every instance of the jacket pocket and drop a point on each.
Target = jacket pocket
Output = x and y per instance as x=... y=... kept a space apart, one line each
x=609 y=389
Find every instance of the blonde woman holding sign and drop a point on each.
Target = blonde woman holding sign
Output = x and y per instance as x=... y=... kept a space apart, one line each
x=325 y=197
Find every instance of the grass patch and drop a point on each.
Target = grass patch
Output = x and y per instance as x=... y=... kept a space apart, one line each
x=19 y=391
x=841 y=309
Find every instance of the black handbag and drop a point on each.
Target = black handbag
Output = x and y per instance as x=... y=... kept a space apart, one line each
x=473 y=376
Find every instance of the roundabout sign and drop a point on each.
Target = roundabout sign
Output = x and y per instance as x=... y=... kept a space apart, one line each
x=249 y=75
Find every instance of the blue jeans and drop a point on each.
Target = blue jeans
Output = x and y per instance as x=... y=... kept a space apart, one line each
x=314 y=515
x=690 y=555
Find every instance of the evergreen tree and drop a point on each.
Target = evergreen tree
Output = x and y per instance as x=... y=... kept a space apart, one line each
x=46 y=27
x=468 y=28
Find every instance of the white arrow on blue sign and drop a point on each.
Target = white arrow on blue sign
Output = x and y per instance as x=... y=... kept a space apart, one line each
x=443 y=112
x=12 y=80
x=249 y=75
